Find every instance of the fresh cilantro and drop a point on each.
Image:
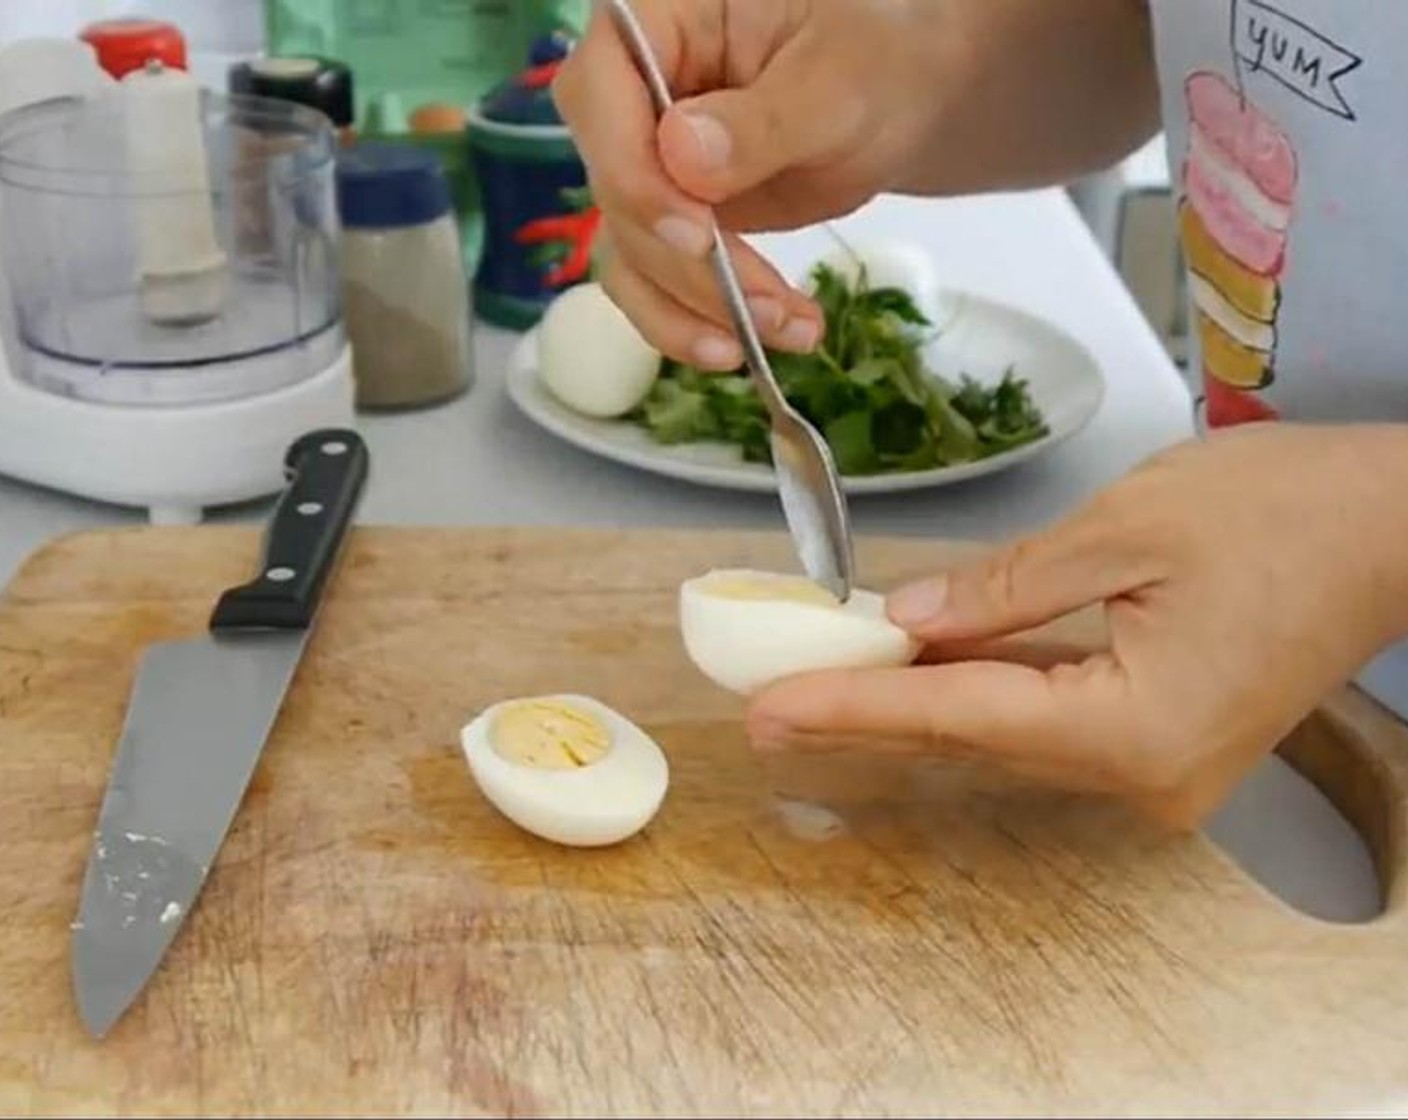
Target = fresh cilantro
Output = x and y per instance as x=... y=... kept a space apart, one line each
x=866 y=388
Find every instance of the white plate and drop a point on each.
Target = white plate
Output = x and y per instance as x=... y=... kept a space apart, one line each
x=980 y=337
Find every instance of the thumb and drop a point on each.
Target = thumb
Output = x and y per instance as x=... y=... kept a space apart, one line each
x=725 y=143
x=1081 y=562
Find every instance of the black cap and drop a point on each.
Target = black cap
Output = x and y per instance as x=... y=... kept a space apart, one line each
x=319 y=83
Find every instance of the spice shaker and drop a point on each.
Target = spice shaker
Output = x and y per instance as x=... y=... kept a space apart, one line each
x=540 y=223
x=320 y=83
x=317 y=83
x=406 y=300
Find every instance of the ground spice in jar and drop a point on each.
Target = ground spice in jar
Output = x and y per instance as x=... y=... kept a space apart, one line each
x=406 y=301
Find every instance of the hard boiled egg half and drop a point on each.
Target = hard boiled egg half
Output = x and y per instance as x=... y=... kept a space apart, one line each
x=744 y=629
x=566 y=768
x=591 y=357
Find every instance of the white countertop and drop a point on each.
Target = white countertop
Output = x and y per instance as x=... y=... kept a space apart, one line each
x=476 y=461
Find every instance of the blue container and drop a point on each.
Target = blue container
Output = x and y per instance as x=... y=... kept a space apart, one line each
x=539 y=222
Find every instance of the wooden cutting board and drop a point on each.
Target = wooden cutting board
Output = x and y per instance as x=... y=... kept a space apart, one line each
x=832 y=937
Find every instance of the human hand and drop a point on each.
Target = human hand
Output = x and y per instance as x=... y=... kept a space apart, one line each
x=786 y=114
x=1242 y=579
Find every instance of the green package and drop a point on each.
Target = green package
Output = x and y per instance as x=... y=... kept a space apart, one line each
x=408 y=53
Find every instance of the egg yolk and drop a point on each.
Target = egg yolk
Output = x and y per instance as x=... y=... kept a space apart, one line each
x=793 y=589
x=549 y=735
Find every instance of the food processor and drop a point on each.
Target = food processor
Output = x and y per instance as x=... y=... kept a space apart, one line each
x=171 y=311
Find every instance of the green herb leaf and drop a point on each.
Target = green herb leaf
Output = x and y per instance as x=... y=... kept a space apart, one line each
x=675 y=413
x=849 y=436
x=866 y=388
x=899 y=430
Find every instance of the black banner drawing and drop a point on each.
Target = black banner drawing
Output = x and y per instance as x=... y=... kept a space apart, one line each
x=1311 y=65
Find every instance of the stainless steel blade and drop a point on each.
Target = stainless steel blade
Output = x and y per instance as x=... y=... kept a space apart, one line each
x=200 y=714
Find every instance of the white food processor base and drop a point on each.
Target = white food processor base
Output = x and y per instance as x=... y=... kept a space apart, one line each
x=174 y=462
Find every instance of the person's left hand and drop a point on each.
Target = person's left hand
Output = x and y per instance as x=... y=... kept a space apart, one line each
x=1242 y=579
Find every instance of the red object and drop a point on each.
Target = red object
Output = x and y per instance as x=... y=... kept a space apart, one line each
x=1227 y=407
x=577 y=230
x=540 y=77
x=124 y=45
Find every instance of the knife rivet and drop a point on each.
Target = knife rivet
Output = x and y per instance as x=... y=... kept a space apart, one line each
x=334 y=447
x=280 y=575
x=310 y=509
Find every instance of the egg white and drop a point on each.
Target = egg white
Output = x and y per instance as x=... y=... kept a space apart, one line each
x=744 y=645
x=590 y=355
x=591 y=806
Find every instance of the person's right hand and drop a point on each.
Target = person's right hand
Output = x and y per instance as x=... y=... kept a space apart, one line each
x=786 y=114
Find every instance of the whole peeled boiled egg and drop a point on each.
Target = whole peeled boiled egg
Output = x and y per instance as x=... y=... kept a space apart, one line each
x=887 y=263
x=567 y=768
x=590 y=355
x=744 y=628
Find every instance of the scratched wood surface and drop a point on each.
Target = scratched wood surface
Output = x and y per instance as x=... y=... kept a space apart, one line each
x=840 y=937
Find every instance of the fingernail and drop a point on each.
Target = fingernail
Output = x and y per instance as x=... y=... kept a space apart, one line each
x=685 y=236
x=918 y=603
x=766 y=312
x=716 y=351
x=715 y=144
x=800 y=336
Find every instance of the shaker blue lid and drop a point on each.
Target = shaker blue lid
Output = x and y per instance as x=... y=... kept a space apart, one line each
x=526 y=97
x=381 y=185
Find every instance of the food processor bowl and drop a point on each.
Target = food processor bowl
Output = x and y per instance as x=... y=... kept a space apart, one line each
x=168 y=245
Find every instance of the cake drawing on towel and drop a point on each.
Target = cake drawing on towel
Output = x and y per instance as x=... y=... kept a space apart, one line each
x=1234 y=217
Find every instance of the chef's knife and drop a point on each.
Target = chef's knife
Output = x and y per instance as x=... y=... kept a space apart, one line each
x=198 y=717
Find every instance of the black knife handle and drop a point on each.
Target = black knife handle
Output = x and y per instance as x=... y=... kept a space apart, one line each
x=326 y=471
